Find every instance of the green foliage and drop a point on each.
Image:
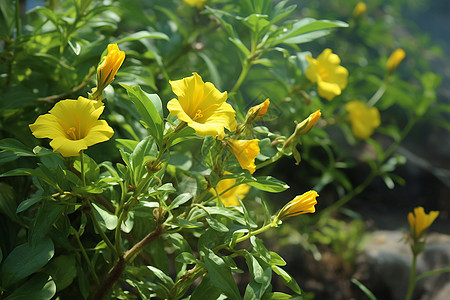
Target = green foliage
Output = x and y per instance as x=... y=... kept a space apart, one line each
x=145 y=215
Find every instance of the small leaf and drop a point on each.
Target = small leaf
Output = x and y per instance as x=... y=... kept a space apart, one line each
x=267 y=183
x=104 y=217
x=63 y=270
x=180 y=200
x=143 y=35
x=148 y=111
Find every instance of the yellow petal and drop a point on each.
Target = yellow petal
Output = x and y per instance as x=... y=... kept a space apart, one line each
x=395 y=59
x=328 y=90
x=245 y=152
x=232 y=196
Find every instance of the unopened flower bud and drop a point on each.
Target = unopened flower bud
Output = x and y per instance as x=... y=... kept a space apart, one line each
x=301 y=204
x=359 y=10
x=256 y=113
x=395 y=59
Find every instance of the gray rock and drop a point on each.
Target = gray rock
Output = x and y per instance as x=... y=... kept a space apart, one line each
x=384 y=266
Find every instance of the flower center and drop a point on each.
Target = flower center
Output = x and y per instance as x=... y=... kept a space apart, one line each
x=198 y=115
x=71 y=133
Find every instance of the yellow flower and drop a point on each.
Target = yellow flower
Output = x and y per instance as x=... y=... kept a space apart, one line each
x=109 y=66
x=359 y=10
x=195 y=3
x=202 y=106
x=331 y=78
x=395 y=59
x=419 y=221
x=301 y=204
x=72 y=125
x=232 y=196
x=245 y=152
x=362 y=118
x=257 y=112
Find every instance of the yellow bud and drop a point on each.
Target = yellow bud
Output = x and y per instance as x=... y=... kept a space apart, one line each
x=109 y=66
x=359 y=10
x=257 y=112
x=419 y=221
x=301 y=204
x=395 y=59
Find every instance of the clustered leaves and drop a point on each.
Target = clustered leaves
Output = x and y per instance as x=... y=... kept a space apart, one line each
x=164 y=196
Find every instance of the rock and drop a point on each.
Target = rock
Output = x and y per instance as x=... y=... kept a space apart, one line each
x=384 y=266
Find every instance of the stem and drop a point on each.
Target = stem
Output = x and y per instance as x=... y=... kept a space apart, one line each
x=248 y=235
x=269 y=161
x=245 y=68
x=412 y=278
x=54 y=98
x=83 y=251
x=17 y=16
x=83 y=177
x=102 y=234
x=377 y=96
x=120 y=265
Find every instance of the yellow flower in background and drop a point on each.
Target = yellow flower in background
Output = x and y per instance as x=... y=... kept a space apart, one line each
x=232 y=196
x=202 y=106
x=331 y=78
x=195 y=3
x=363 y=119
x=395 y=59
x=257 y=112
x=301 y=204
x=419 y=221
x=73 y=126
x=359 y=10
x=109 y=66
x=245 y=152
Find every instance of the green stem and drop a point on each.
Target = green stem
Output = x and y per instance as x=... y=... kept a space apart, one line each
x=249 y=235
x=17 y=17
x=377 y=96
x=412 y=278
x=83 y=252
x=83 y=177
x=102 y=234
x=269 y=161
x=245 y=68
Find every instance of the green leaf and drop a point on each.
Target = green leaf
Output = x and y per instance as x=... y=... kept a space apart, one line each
x=105 y=218
x=140 y=156
x=91 y=169
x=364 y=289
x=287 y=279
x=210 y=151
x=47 y=215
x=40 y=286
x=220 y=275
x=15 y=146
x=179 y=200
x=143 y=35
x=267 y=183
x=183 y=223
x=205 y=290
x=7 y=202
x=186 y=257
x=256 y=22
x=24 y=205
x=146 y=107
x=280 y=296
x=24 y=260
x=30 y=172
x=304 y=26
x=216 y=225
x=165 y=279
x=63 y=270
